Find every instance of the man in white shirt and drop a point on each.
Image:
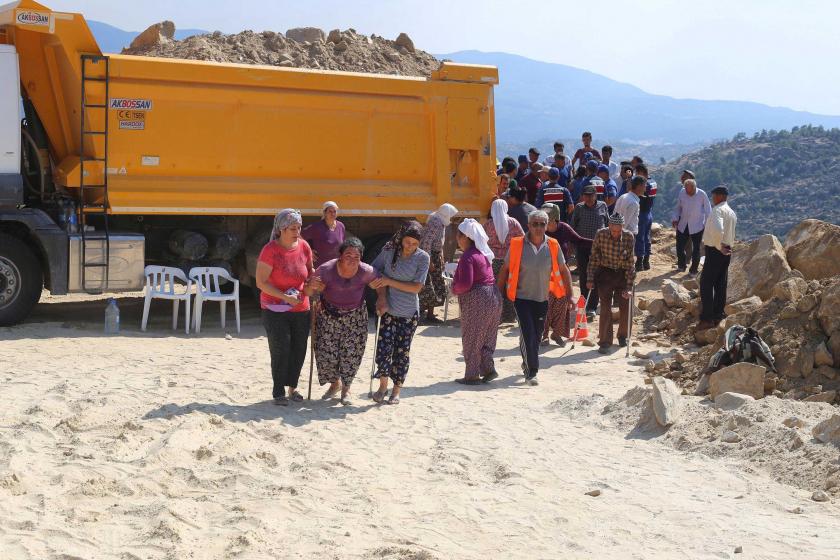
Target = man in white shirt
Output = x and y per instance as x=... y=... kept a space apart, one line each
x=627 y=206
x=689 y=219
x=718 y=238
x=558 y=159
x=615 y=169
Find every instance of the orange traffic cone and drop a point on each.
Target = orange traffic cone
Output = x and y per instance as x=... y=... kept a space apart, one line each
x=582 y=330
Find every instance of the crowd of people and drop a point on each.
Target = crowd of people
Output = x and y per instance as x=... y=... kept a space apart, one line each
x=513 y=267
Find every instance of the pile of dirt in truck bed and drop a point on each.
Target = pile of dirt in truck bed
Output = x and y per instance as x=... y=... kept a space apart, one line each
x=307 y=47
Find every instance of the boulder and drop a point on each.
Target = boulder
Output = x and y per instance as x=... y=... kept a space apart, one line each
x=789 y=312
x=306 y=34
x=666 y=401
x=827 y=372
x=691 y=284
x=834 y=347
x=405 y=42
x=694 y=307
x=807 y=303
x=743 y=378
x=749 y=304
x=828 y=431
x=156 y=34
x=825 y=396
x=828 y=311
x=823 y=356
x=674 y=294
x=708 y=336
x=657 y=308
x=731 y=401
x=791 y=289
x=756 y=269
x=642 y=303
x=334 y=36
x=813 y=248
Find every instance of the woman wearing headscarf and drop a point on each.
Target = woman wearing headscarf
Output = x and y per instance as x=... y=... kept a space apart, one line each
x=434 y=292
x=480 y=303
x=534 y=266
x=500 y=229
x=341 y=324
x=284 y=276
x=326 y=235
x=403 y=267
x=559 y=309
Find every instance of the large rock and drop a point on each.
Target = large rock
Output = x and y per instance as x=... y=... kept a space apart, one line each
x=756 y=269
x=828 y=431
x=306 y=34
x=825 y=396
x=743 y=305
x=823 y=356
x=674 y=294
x=744 y=378
x=154 y=35
x=813 y=248
x=707 y=336
x=657 y=308
x=404 y=41
x=731 y=401
x=790 y=290
x=829 y=310
x=834 y=347
x=666 y=401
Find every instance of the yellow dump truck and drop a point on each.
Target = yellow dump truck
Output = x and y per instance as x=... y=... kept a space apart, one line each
x=113 y=155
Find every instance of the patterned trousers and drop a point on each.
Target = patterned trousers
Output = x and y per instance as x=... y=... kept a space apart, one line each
x=340 y=338
x=481 y=308
x=392 y=351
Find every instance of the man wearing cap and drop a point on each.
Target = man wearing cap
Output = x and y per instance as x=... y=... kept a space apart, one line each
x=718 y=238
x=689 y=219
x=611 y=269
x=531 y=182
x=552 y=191
x=589 y=217
x=586 y=138
x=610 y=189
x=645 y=216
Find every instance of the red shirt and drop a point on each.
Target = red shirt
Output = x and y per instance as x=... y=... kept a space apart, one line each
x=581 y=153
x=289 y=269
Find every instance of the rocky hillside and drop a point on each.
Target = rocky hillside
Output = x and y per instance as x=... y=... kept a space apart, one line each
x=307 y=47
x=777 y=178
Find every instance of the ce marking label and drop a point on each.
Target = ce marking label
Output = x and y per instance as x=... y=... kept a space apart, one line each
x=131 y=115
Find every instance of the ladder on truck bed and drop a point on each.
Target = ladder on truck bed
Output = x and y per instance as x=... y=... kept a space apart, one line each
x=95 y=82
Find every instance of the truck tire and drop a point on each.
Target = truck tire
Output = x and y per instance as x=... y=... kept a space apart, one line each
x=21 y=280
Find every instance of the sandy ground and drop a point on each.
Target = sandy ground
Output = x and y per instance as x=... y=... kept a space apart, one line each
x=161 y=445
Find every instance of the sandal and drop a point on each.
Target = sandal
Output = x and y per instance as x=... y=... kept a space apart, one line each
x=378 y=396
x=330 y=394
x=469 y=381
x=394 y=400
x=346 y=400
x=490 y=376
x=281 y=401
x=296 y=397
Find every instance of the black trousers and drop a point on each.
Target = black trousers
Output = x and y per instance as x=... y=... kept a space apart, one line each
x=531 y=317
x=682 y=241
x=583 y=263
x=713 y=281
x=287 y=334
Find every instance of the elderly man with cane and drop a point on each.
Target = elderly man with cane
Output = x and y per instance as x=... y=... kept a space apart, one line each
x=612 y=267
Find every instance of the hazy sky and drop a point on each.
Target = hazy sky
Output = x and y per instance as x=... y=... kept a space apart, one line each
x=777 y=52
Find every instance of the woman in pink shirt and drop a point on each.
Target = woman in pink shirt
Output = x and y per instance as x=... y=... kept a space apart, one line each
x=284 y=270
x=480 y=302
x=341 y=324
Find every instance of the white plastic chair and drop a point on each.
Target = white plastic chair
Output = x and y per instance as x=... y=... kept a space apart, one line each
x=206 y=279
x=160 y=284
x=448 y=276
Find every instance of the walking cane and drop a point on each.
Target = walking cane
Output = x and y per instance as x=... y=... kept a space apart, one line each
x=630 y=321
x=312 y=323
x=373 y=364
x=577 y=324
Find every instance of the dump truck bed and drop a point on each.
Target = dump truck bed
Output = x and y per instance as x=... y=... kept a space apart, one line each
x=192 y=137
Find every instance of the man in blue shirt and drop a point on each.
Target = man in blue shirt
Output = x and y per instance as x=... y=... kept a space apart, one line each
x=610 y=191
x=642 y=248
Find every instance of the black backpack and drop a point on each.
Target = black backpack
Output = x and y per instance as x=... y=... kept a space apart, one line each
x=742 y=344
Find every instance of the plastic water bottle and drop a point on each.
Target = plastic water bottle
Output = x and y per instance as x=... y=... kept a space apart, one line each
x=112 y=317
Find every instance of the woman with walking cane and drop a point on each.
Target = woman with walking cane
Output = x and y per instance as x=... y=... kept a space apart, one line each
x=534 y=266
x=284 y=277
x=403 y=267
x=612 y=267
x=341 y=324
x=480 y=302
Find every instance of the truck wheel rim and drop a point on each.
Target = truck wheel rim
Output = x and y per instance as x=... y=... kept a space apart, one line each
x=9 y=282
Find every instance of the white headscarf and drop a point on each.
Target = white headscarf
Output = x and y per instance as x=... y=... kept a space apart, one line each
x=329 y=204
x=446 y=212
x=284 y=219
x=498 y=211
x=474 y=231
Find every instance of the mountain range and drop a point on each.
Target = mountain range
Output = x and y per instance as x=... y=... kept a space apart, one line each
x=537 y=102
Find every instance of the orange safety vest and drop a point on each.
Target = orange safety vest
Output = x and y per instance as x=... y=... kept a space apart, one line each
x=555 y=281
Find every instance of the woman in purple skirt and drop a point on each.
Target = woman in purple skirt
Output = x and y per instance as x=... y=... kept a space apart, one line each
x=480 y=302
